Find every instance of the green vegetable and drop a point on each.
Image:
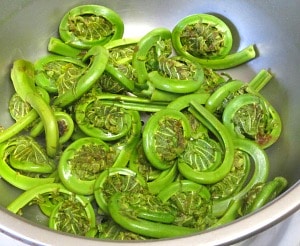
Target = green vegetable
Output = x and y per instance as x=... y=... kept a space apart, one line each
x=65 y=126
x=218 y=129
x=99 y=57
x=143 y=131
x=25 y=154
x=203 y=36
x=88 y=25
x=149 y=48
x=98 y=119
x=22 y=75
x=262 y=193
x=229 y=90
x=120 y=66
x=234 y=181
x=259 y=170
x=18 y=126
x=74 y=215
x=118 y=210
x=219 y=97
x=57 y=74
x=126 y=102
x=18 y=108
x=24 y=163
x=165 y=136
x=58 y=47
x=192 y=202
x=177 y=75
x=206 y=39
x=81 y=163
x=114 y=180
x=156 y=179
x=260 y=80
x=252 y=116
x=232 y=213
x=109 y=229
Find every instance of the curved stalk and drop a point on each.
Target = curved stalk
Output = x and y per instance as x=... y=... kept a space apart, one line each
x=143 y=226
x=57 y=46
x=99 y=57
x=18 y=126
x=14 y=177
x=225 y=139
x=229 y=61
x=22 y=75
x=260 y=173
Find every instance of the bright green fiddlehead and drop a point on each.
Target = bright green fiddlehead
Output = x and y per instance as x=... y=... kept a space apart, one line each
x=30 y=171
x=165 y=137
x=73 y=215
x=202 y=154
x=88 y=25
x=125 y=215
x=115 y=180
x=27 y=155
x=225 y=140
x=58 y=74
x=235 y=179
x=192 y=203
x=206 y=39
x=251 y=116
x=177 y=75
x=82 y=162
x=205 y=36
x=96 y=118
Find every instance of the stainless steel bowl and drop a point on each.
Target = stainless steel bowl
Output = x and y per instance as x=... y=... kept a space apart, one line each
x=273 y=26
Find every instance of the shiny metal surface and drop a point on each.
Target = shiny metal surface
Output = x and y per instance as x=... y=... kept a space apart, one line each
x=273 y=26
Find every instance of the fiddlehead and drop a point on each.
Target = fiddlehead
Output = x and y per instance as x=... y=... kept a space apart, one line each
x=192 y=203
x=165 y=137
x=82 y=162
x=119 y=75
x=202 y=154
x=207 y=39
x=114 y=180
x=203 y=36
x=235 y=179
x=262 y=193
x=177 y=75
x=89 y=25
x=103 y=120
x=153 y=224
x=251 y=116
x=97 y=57
x=22 y=76
x=109 y=229
x=67 y=211
x=17 y=107
x=32 y=165
x=154 y=44
x=73 y=215
x=29 y=156
x=58 y=74
x=156 y=179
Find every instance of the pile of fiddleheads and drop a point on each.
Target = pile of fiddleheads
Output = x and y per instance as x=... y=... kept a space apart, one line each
x=120 y=138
